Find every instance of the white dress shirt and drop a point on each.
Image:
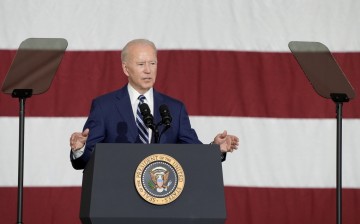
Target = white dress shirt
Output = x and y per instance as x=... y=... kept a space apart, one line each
x=134 y=95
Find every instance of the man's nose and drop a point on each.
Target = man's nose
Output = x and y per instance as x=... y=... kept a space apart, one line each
x=147 y=68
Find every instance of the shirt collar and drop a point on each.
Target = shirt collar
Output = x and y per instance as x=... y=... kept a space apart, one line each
x=149 y=95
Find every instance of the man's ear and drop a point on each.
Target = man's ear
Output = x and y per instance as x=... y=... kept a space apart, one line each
x=125 y=69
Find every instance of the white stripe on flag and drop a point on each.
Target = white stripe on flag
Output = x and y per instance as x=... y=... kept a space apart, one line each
x=172 y=24
x=272 y=152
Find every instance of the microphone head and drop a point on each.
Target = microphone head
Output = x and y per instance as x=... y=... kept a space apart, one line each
x=144 y=109
x=165 y=115
x=146 y=113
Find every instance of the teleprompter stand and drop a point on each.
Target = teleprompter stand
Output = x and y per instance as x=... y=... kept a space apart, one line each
x=329 y=82
x=31 y=72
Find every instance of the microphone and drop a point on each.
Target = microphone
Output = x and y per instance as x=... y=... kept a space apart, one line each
x=147 y=117
x=165 y=115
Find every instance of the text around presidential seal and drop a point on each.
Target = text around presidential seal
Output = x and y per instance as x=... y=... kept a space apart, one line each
x=159 y=179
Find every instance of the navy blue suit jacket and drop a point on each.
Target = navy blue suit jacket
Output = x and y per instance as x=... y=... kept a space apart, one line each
x=112 y=120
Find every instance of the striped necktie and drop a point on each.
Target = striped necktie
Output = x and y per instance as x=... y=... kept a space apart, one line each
x=142 y=129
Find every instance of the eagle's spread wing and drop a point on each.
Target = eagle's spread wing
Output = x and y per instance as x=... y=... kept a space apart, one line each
x=153 y=177
x=166 y=177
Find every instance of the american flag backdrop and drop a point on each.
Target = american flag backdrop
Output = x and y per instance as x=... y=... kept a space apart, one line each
x=229 y=62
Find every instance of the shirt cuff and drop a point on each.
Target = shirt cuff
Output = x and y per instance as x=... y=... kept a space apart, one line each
x=76 y=154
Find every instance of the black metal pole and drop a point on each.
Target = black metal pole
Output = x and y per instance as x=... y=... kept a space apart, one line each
x=21 y=161
x=339 y=163
x=339 y=99
x=22 y=94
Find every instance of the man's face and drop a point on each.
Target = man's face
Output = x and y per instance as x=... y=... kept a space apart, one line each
x=140 y=67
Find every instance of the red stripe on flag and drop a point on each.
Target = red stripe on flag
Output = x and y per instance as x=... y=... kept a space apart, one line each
x=41 y=205
x=59 y=205
x=284 y=205
x=210 y=83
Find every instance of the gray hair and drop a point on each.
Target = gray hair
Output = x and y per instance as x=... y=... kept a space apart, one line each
x=125 y=50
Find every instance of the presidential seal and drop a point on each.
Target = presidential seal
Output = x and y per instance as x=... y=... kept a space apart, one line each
x=159 y=179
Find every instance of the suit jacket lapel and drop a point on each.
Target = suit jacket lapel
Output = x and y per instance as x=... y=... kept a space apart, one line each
x=158 y=100
x=123 y=105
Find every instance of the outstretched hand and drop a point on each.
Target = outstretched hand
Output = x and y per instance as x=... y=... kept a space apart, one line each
x=228 y=143
x=78 y=139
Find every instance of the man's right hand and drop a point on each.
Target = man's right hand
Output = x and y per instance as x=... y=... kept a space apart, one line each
x=78 y=139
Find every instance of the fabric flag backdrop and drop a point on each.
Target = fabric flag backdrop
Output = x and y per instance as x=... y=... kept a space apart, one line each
x=228 y=61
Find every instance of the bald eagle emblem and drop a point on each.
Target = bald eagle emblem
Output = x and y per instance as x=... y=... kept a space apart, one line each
x=159 y=179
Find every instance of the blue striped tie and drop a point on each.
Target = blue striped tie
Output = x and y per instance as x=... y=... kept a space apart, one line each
x=142 y=129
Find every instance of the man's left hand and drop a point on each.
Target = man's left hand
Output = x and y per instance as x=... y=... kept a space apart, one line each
x=228 y=143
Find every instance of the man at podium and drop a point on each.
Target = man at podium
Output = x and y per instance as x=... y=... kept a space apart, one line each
x=127 y=115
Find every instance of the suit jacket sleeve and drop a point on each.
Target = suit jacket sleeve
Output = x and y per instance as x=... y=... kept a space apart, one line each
x=96 y=125
x=186 y=133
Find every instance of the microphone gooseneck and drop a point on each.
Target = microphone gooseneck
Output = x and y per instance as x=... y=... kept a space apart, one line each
x=147 y=117
x=165 y=115
x=149 y=121
x=165 y=118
